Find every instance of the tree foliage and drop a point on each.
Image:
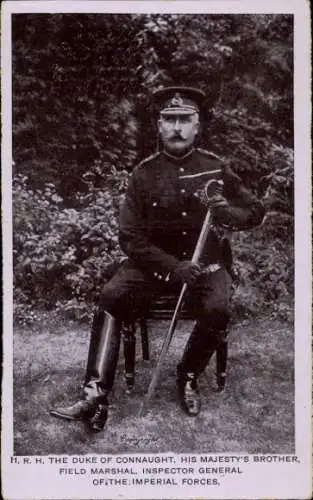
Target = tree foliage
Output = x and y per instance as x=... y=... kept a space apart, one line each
x=83 y=117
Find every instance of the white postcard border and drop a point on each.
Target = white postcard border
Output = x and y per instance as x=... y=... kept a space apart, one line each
x=260 y=480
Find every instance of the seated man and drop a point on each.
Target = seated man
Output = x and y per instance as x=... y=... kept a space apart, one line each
x=160 y=223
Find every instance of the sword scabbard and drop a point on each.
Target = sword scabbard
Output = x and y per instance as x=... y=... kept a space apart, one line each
x=167 y=340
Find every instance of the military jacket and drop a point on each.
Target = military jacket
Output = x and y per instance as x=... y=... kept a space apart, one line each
x=162 y=215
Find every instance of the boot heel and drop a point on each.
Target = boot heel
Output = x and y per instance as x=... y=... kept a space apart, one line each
x=188 y=394
x=97 y=422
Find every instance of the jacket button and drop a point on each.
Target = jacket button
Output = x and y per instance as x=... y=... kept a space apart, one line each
x=154 y=204
x=182 y=169
x=183 y=191
x=184 y=214
x=184 y=233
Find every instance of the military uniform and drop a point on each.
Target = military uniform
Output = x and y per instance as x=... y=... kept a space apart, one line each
x=160 y=222
x=162 y=217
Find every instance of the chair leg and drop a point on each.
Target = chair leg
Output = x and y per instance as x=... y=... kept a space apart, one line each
x=129 y=344
x=221 y=364
x=144 y=339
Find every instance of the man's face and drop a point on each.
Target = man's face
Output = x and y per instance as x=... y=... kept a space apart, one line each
x=178 y=132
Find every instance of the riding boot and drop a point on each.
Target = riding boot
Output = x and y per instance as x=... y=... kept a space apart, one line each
x=100 y=373
x=200 y=347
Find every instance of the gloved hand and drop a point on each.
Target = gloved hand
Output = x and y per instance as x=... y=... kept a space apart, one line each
x=185 y=272
x=214 y=194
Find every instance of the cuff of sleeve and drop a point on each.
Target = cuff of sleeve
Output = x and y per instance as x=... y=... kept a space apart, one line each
x=219 y=203
x=167 y=265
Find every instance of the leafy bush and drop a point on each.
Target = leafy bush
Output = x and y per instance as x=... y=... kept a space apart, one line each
x=63 y=253
x=265 y=264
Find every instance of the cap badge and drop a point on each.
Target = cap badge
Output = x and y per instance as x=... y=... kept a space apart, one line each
x=177 y=100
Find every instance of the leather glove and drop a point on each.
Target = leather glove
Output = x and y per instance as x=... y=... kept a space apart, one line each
x=185 y=272
x=214 y=194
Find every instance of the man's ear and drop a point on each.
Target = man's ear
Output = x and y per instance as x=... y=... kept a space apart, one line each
x=197 y=126
x=159 y=122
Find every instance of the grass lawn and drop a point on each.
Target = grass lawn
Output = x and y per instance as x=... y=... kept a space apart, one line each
x=255 y=413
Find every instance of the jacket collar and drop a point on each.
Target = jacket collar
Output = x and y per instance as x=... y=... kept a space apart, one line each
x=178 y=159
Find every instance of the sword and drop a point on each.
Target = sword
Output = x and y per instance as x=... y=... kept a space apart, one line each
x=167 y=340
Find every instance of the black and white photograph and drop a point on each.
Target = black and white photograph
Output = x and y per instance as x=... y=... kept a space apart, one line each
x=156 y=320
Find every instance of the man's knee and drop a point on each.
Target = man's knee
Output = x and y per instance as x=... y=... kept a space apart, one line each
x=122 y=294
x=108 y=297
x=216 y=318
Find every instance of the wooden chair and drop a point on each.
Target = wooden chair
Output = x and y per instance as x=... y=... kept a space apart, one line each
x=160 y=309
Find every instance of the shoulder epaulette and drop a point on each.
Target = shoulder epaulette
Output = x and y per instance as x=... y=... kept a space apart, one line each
x=148 y=159
x=209 y=154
